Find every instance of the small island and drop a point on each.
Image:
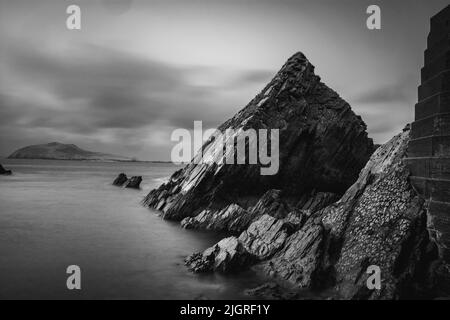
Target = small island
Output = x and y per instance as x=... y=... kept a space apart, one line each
x=5 y=172
x=60 y=151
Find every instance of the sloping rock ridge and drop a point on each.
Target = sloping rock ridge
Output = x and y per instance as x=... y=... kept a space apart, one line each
x=323 y=146
x=380 y=221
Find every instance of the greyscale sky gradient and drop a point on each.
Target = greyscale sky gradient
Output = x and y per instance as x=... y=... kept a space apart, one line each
x=140 y=69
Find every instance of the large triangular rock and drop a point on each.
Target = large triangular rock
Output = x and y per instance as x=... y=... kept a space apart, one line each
x=322 y=145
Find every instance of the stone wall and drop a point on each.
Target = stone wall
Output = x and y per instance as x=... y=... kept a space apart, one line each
x=429 y=148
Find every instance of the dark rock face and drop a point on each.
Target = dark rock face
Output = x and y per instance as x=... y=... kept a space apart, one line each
x=300 y=257
x=322 y=145
x=234 y=218
x=226 y=256
x=379 y=221
x=5 y=172
x=123 y=181
x=133 y=182
x=120 y=180
x=263 y=238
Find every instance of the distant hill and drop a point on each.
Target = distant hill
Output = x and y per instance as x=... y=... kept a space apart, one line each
x=59 y=151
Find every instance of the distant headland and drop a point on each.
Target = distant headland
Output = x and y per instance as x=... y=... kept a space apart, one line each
x=60 y=151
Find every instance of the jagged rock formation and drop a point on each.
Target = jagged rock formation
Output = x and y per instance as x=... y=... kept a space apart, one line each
x=133 y=182
x=234 y=218
x=123 y=181
x=379 y=221
x=5 y=172
x=120 y=180
x=60 y=151
x=226 y=256
x=322 y=147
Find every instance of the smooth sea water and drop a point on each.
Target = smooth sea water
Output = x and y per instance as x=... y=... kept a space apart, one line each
x=59 y=213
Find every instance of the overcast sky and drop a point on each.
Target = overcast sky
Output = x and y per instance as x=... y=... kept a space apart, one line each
x=139 y=69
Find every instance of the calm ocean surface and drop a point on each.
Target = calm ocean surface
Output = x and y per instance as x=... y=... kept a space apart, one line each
x=59 y=213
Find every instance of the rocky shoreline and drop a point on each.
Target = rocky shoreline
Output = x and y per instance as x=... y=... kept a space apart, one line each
x=379 y=221
x=337 y=206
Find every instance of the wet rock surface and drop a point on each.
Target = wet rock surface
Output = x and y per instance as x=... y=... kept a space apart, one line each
x=123 y=181
x=133 y=182
x=120 y=180
x=322 y=147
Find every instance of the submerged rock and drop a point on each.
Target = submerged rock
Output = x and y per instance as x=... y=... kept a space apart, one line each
x=133 y=182
x=322 y=147
x=120 y=180
x=5 y=172
x=123 y=181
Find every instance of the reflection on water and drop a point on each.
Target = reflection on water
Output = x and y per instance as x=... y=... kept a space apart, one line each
x=58 y=213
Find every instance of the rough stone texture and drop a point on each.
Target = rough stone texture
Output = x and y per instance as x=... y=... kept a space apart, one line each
x=226 y=256
x=133 y=182
x=120 y=180
x=299 y=259
x=231 y=218
x=379 y=221
x=323 y=145
x=265 y=236
x=5 y=172
x=429 y=148
x=235 y=219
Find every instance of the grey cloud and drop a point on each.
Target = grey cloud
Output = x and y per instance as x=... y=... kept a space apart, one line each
x=401 y=91
x=98 y=88
x=255 y=76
